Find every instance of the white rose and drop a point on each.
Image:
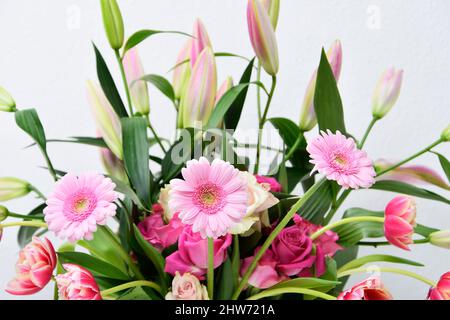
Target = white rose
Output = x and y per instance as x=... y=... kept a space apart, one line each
x=187 y=287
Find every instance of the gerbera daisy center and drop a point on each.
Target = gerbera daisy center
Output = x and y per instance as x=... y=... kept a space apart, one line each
x=209 y=197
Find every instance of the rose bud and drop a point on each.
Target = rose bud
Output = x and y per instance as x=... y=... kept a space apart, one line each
x=400 y=220
x=12 y=188
x=7 y=103
x=187 y=287
x=369 y=289
x=77 y=284
x=112 y=21
x=442 y=289
x=272 y=183
x=386 y=92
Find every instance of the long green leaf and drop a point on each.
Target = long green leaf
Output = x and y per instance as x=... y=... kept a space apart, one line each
x=161 y=83
x=141 y=35
x=225 y=287
x=26 y=233
x=377 y=258
x=304 y=282
x=445 y=164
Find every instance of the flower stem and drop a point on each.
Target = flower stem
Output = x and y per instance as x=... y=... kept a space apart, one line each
x=321 y=231
x=37 y=224
x=390 y=270
x=38 y=192
x=294 y=147
x=211 y=268
x=366 y=134
x=258 y=91
x=125 y=82
x=24 y=216
x=158 y=140
x=274 y=234
x=387 y=243
x=262 y=121
x=132 y=284
x=305 y=291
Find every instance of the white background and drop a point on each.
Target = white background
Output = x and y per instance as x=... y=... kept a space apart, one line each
x=46 y=56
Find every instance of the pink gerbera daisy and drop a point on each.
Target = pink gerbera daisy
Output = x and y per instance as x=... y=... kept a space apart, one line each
x=78 y=204
x=338 y=158
x=212 y=197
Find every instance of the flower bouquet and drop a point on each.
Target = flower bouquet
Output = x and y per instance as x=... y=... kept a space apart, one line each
x=203 y=215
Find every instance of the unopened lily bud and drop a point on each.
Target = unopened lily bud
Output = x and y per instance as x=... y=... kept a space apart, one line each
x=387 y=92
x=182 y=72
x=11 y=188
x=225 y=86
x=113 y=23
x=262 y=36
x=7 y=103
x=445 y=135
x=107 y=121
x=440 y=238
x=113 y=165
x=138 y=88
x=3 y=213
x=198 y=102
x=273 y=8
x=307 y=114
x=200 y=41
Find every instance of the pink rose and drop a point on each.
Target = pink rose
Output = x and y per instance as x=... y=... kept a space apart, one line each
x=77 y=284
x=159 y=234
x=369 y=289
x=192 y=253
x=442 y=289
x=273 y=184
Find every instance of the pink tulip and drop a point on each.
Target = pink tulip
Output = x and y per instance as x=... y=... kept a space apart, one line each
x=200 y=41
x=386 y=92
x=138 y=88
x=77 y=284
x=192 y=253
x=198 y=102
x=182 y=72
x=400 y=220
x=272 y=183
x=159 y=234
x=226 y=85
x=34 y=268
x=262 y=36
x=442 y=289
x=369 y=289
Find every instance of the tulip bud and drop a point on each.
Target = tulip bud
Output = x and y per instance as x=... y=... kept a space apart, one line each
x=182 y=72
x=11 y=188
x=262 y=36
x=112 y=21
x=445 y=135
x=107 y=121
x=113 y=165
x=400 y=220
x=7 y=103
x=273 y=9
x=387 y=92
x=307 y=115
x=440 y=238
x=199 y=42
x=3 y=213
x=198 y=102
x=138 y=88
x=226 y=85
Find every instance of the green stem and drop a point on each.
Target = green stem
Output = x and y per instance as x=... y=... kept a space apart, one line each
x=24 y=216
x=262 y=121
x=158 y=140
x=274 y=234
x=258 y=91
x=49 y=165
x=431 y=146
x=38 y=192
x=211 y=268
x=254 y=145
x=125 y=82
x=294 y=147
x=336 y=206
x=390 y=270
x=37 y=224
x=321 y=231
x=387 y=243
x=366 y=134
x=132 y=284
x=275 y=292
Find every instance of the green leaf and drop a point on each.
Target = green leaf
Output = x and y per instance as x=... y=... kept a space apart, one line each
x=445 y=164
x=315 y=208
x=216 y=54
x=329 y=275
x=309 y=283
x=141 y=35
x=135 y=156
x=225 y=285
x=377 y=258
x=136 y=293
x=28 y=120
x=125 y=189
x=161 y=83
x=26 y=233
x=341 y=258
x=234 y=112
x=327 y=100
x=283 y=176
x=405 y=188
x=94 y=265
x=108 y=85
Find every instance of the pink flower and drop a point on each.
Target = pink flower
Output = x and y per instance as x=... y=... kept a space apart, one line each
x=77 y=284
x=212 y=197
x=200 y=40
x=327 y=241
x=265 y=274
x=159 y=234
x=182 y=72
x=400 y=220
x=442 y=289
x=34 y=268
x=187 y=287
x=78 y=204
x=138 y=89
x=192 y=253
x=386 y=92
x=369 y=289
x=224 y=87
x=338 y=158
x=272 y=183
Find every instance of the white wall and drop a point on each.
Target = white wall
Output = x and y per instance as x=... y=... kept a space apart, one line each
x=46 y=56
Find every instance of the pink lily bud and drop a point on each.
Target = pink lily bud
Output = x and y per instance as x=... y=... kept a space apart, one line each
x=113 y=165
x=400 y=220
x=369 y=289
x=440 y=239
x=442 y=289
x=138 y=89
x=273 y=8
x=262 y=36
x=307 y=115
x=386 y=92
x=198 y=102
x=200 y=41
x=225 y=86
x=107 y=121
x=77 y=284
x=182 y=72
x=34 y=269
